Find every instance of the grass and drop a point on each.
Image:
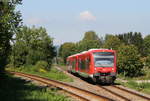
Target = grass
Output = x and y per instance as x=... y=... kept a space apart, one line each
x=141 y=87
x=16 y=89
x=145 y=76
x=64 y=67
x=52 y=74
x=131 y=81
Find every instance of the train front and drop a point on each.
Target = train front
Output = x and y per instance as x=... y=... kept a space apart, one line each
x=104 y=66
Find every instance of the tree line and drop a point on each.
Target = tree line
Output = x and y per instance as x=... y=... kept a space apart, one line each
x=22 y=45
x=132 y=50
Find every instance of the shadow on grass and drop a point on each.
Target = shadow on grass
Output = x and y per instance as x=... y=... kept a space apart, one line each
x=16 y=89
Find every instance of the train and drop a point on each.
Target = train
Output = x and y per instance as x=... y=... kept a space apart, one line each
x=97 y=64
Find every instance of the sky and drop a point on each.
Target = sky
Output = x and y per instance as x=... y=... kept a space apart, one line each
x=68 y=20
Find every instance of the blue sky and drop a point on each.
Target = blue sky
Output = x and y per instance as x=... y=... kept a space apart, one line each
x=68 y=20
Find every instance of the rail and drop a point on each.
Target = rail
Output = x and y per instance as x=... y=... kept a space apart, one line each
x=81 y=93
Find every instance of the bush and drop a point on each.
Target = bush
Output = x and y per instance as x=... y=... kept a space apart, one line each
x=129 y=61
x=41 y=66
x=147 y=63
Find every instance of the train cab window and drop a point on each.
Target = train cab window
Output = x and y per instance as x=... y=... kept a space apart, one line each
x=104 y=59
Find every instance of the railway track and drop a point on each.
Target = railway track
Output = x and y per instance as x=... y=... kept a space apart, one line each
x=124 y=94
x=82 y=94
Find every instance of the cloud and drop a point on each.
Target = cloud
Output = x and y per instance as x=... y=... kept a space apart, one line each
x=35 y=21
x=86 y=15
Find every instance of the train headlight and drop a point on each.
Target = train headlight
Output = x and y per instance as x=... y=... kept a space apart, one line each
x=112 y=69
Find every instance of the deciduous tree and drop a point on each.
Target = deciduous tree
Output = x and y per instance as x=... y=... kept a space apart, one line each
x=32 y=45
x=66 y=50
x=112 y=42
x=128 y=61
x=10 y=21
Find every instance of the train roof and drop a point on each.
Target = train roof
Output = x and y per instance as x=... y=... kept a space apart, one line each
x=100 y=49
x=92 y=50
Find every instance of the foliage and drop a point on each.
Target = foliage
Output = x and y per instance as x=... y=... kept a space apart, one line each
x=91 y=35
x=90 y=40
x=85 y=45
x=142 y=87
x=54 y=73
x=146 y=45
x=9 y=25
x=32 y=45
x=131 y=38
x=66 y=50
x=42 y=65
x=147 y=61
x=129 y=60
x=112 y=42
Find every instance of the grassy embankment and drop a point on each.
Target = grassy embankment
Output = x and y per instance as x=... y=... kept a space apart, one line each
x=131 y=82
x=52 y=74
x=16 y=89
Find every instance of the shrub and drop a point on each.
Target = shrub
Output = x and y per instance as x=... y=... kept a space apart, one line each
x=129 y=61
x=147 y=63
x=41 y=66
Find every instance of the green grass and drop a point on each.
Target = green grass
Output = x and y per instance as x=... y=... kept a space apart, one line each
x=64 y=67
x=141 y=87
x=16 y=89
x=145 y=76
x=52 y=74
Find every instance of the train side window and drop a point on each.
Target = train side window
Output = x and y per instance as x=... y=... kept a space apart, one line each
x=79 y=63
x=87 y=62
x=74 y=64
x=83 y=64
x=70 y=64
x=67 y=63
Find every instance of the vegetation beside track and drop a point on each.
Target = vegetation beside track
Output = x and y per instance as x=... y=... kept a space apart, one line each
x=143 y=87
x=16 y=89
x=146 y=76
x=52 y=74
x=131 y=82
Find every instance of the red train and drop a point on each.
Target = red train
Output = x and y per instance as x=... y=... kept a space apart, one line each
x=98 y=64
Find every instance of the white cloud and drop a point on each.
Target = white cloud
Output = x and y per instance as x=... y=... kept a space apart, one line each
x=34 y=21
x=86 y=15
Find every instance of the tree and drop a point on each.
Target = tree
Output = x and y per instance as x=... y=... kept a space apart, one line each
x=146 y=45
x=90 y=40
x=91 y=35
x=32 y=45
x=128 y=60
x=112 y=42
x=132 y=39
x=66 y=50
x=10 y=22
x=85 y=45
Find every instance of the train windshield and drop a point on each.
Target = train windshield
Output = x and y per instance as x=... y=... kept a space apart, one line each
x=103 y=59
